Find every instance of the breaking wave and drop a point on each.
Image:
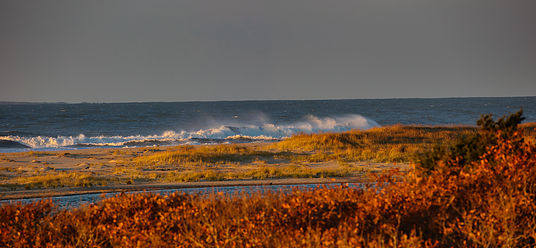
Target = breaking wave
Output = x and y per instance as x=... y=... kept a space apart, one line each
x=224 y=133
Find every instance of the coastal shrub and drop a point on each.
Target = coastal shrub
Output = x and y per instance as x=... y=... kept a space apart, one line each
x=470 y=148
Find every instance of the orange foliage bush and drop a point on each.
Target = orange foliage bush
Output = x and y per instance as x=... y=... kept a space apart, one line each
x=491 y=205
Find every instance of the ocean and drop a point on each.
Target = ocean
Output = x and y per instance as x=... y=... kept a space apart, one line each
x=62 y=126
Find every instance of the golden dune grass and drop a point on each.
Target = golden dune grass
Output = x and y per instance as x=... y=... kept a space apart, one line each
x=385 y=144
x=294 y=157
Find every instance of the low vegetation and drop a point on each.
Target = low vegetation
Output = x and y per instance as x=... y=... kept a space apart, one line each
x=204 y=155
x=264 y=172
x=384 y=144
x=341 y=154
x=63 y=179
x=486 y=202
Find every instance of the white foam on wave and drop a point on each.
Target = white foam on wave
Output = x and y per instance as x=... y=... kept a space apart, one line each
x=232 y=131
x=311 y=124
x=44 y=141
x=64 y=141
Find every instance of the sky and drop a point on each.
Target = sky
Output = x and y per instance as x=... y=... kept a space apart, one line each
x=191 y=50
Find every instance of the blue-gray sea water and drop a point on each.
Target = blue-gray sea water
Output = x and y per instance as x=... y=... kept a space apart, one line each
x=74 y=201
x=60 y=126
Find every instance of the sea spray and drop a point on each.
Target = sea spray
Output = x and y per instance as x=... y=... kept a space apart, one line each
x=221 y=132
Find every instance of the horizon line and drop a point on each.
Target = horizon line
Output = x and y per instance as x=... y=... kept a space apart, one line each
x=256 y=100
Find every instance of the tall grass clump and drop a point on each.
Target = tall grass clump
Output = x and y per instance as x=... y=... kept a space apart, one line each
x=384 y=144
x=63 y=179
x=188 y=155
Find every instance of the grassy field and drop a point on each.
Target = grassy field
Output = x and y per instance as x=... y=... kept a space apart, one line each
x=320 y=155
x=485 y=203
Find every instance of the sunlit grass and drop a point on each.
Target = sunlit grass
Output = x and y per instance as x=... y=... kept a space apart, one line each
x=63 y=179
x=219 y=154
x=37 y=154
x=386 y=144
x=265 y=172
x=290 y=158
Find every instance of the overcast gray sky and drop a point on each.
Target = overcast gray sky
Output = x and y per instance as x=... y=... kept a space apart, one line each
x=181 y=50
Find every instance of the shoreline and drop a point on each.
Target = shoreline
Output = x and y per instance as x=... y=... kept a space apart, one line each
x=341 y=157
x=32 y=174
x=73 y=191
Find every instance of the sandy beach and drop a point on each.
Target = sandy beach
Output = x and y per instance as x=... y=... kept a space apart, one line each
x=22 y=173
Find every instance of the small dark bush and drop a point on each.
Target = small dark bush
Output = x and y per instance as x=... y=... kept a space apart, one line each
x=469 y=148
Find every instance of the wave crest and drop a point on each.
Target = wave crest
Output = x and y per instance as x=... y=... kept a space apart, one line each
x=235 y=132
